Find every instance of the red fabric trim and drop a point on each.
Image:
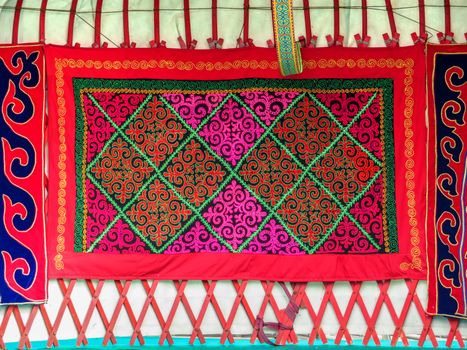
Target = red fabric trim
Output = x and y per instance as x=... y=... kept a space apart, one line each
x=221 y=65
x=14 y=34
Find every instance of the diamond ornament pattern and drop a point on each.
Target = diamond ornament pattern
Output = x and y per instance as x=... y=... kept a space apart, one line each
x=301 y=170
x=231 y=132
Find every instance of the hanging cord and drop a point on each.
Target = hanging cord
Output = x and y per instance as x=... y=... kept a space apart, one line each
x=422 y=36
x=393 y=40
x=42 y=21
x=190 y=43
x=71 y=23
x=214 y=42
x=309 y=40
x=291 y=311
x=363 y=40
x=14 y=34
x=448 y=36
x=337 y=40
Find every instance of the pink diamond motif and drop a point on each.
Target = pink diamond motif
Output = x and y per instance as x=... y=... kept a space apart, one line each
x=231 y=132
x=234 y=214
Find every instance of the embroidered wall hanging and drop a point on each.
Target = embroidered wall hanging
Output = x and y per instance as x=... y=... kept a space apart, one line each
x=213 y=167
x=22 y=230
x=447 y=104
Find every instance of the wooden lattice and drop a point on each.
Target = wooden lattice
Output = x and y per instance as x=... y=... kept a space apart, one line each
x=315 y=300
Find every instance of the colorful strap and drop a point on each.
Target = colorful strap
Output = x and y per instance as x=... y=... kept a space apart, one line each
x=288 y=52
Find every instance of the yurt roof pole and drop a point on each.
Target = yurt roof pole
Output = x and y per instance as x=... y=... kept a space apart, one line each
x=337 y=39
x=14 y=35
x=393 y=39
x=363 y=40
x=422 y=36
x=448 y=36
x=156 y=42
x=71 y=22
x=306 y=13
x=246 y=41
x=309 y=40
x=42 y=21
x=97 y=25
x=214 y=41
x=126 y=27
